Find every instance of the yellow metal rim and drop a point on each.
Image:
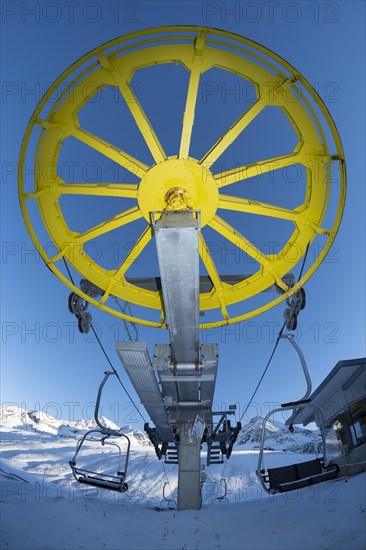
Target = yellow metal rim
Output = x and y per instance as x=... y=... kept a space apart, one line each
x=183 y=181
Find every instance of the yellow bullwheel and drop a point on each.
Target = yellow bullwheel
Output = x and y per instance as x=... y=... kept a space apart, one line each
x=182 y=181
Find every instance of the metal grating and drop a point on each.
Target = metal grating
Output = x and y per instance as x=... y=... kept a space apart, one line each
x=136 y=362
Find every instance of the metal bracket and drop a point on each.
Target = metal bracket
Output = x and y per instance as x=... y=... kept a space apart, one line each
x=296 y=303
x=78 y=306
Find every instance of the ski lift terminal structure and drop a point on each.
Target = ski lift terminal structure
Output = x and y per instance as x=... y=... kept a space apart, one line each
x=178 y=196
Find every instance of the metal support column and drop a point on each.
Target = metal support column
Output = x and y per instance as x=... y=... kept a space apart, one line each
x=177 y=389
x=189 y=475
x=176 y=235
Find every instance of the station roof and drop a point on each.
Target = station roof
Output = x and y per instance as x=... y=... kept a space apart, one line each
x=342 y=376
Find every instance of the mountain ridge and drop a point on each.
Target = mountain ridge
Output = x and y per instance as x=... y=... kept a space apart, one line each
x=20 y=418
x=277 y=436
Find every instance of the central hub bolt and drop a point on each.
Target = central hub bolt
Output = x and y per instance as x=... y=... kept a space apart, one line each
x=177 y=199
x=178 y=184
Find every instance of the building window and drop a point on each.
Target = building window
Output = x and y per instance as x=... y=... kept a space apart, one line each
x=358 y=413
x=347 y=430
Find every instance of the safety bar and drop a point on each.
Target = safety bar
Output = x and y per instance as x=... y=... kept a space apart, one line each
x=291 y=338
x=105 y=430
x=100 y=478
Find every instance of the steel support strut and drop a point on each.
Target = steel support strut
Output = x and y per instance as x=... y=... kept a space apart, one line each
x=176 y=236
x=177 y=387
x=189 y=469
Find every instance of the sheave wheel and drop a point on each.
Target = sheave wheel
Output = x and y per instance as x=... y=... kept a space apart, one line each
x=185 y=181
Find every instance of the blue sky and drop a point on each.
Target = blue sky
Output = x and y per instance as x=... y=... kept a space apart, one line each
x=46 y=363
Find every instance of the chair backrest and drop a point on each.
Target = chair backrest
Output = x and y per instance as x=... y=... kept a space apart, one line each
x=309 y=468
x=294 y=472
x=285 y=474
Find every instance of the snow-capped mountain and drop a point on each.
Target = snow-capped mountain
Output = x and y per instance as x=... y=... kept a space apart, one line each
x=279 y=438
x=19 y=418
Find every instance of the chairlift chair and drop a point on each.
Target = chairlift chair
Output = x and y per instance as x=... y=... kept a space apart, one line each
x=297 y=476
x=166 y=501
x=116 y=482
x=223 y=489
x=303 y=474
x=294 y=476
x=97 y=479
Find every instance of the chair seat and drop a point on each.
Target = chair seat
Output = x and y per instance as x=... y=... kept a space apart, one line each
x=296 y=476
x=103 y=483
x=305 y=482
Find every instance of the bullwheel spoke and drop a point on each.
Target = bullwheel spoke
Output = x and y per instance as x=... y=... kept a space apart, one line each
x=255 y=207
x=127 y=191
x=119 y=220
x=111 y=151
x=232 y=235
x=256 y=169
x=188 y=118
x=213 y=274
x=131 y=257
x=142 y=122
x=233 y=132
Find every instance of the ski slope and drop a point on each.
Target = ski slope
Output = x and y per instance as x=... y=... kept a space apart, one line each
x=44 y=508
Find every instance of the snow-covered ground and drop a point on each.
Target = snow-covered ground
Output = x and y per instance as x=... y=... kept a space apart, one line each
x=44 y=508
